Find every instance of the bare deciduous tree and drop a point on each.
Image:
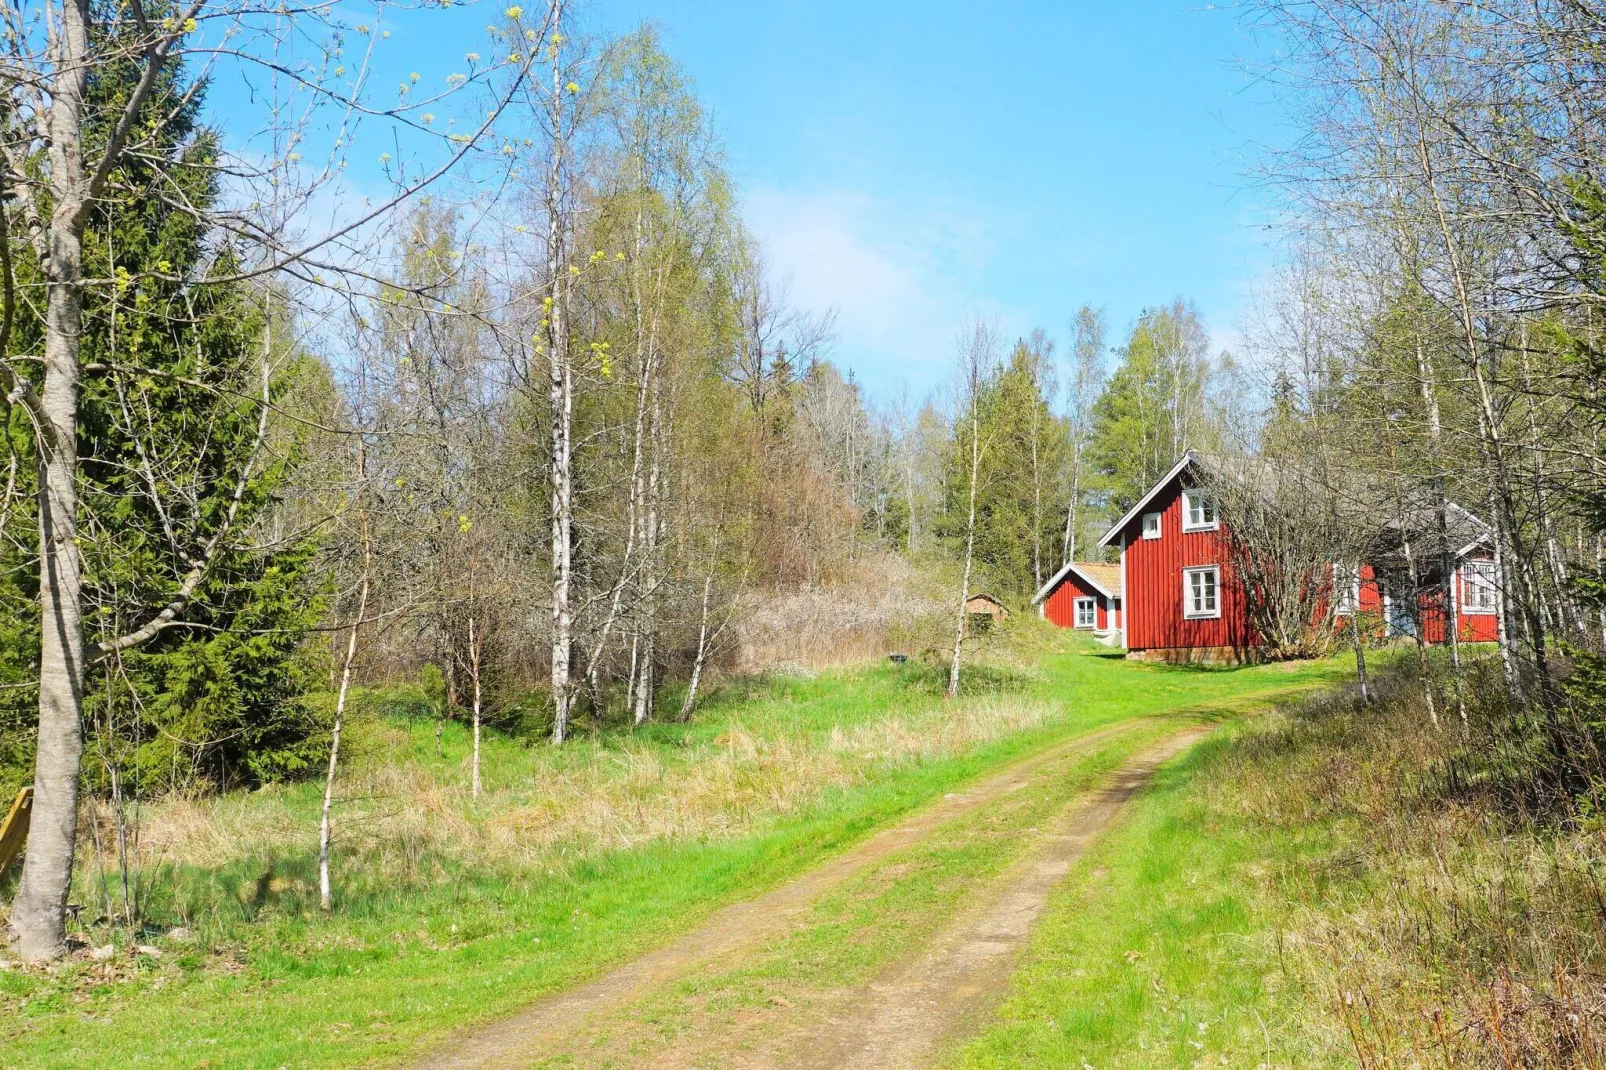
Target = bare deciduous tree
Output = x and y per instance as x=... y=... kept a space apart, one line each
x=977 y=357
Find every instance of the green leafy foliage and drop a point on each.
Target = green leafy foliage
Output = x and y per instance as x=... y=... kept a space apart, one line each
x=171 y=417
x=1155 y=405
x=1020 y=479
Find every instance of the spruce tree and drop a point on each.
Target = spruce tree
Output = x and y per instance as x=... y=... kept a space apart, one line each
x=171 y=410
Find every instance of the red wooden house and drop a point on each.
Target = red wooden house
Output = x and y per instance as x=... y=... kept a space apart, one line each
x=1381 y=588
x=1179 y=600
x=1388 y=602
x=1084 y=595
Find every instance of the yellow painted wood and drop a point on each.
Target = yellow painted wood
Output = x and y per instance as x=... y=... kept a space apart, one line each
x=14 y=830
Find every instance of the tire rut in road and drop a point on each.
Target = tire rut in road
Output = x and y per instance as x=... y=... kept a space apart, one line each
x=530 y=1034
x=901 y=1020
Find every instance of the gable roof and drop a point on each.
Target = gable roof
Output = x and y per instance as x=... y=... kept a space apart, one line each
x=1188 y=458
x=1105 y=579
x=1466 y=529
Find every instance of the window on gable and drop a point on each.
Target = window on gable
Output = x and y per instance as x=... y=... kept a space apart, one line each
x=1198 y=510
x=1151 y=525
x=1346 y=590
x=1086 y=613
x=1477 y=587
x=1201 y=592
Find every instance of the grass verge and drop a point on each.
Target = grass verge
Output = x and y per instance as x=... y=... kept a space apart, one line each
x=1161 y=948
x=1330 y=886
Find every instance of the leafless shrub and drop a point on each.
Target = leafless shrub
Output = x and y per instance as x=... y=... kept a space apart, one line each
x=1284 y=535
x=884 y=604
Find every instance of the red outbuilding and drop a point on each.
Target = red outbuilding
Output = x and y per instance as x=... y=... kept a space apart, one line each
x=1084 y=595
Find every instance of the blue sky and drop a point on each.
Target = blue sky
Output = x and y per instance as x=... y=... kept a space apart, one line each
x=912 y=164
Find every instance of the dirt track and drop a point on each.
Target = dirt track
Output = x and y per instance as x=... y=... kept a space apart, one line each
x=896 y=1020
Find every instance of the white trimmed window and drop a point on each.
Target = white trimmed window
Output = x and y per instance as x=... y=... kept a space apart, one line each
x=1477 y=587
x=1199 y=511
x=1201 y=592
x=1151 y=525
x=1346 y=590
x=1086 y=613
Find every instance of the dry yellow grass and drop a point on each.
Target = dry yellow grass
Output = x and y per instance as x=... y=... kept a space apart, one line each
x=1453 y=916
x=884 y=603
x=541 y=802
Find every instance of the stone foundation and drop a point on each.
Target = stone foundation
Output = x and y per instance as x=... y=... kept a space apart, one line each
x=1198 y=655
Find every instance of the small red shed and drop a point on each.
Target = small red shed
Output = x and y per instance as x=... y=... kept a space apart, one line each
x=1085 y=595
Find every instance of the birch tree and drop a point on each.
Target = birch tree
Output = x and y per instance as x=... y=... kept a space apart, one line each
x=977 y=354
x=62 y=156
x=1083 y=385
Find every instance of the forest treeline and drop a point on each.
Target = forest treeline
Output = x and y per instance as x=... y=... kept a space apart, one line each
x=533 y=439
x=709 y=450
x=1432 y=342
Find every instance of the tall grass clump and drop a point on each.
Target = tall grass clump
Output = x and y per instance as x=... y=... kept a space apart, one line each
x=221 y=865
x=1456 y=918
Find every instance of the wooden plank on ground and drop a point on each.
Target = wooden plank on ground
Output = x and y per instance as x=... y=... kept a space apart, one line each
x=14 y=830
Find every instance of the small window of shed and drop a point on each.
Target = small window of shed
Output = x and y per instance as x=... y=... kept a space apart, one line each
x=1151 y=525
x=1086 y=613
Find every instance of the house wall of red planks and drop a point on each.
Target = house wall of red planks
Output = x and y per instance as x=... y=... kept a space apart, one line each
x=1153 y=570
x=1153 y=583
x=1472 y=627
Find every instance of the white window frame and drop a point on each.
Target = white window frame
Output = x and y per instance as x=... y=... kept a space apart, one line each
x=1346 y=590
x=1188 y=610
x=1206 y=503
x=1154 y=532
x=1478 y=575
x=1092 y=614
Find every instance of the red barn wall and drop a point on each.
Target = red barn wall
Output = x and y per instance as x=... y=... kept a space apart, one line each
x=1153 y=583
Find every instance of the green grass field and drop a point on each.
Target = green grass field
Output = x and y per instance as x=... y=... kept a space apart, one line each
x=1327 y=886
x=1162 y=949
x=451 y=911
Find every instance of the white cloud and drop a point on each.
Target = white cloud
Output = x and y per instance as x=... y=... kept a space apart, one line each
x=901 y=277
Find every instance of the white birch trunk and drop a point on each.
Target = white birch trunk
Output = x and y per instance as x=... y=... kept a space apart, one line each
x=702 y=646
x=970 y=535
x=474 y=668
x=39 y=910
x=560 y=399
x=645 y=684
x=325 y=892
